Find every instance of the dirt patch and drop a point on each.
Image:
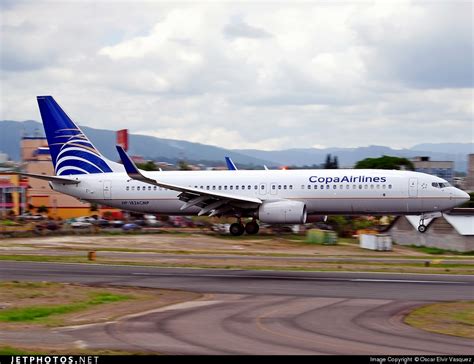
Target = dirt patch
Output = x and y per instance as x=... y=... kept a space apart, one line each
x=24 y=295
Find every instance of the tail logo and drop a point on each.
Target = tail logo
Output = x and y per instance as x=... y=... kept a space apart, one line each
x=76 y=154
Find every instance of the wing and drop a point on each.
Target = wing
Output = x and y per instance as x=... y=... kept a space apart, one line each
x=215 y=203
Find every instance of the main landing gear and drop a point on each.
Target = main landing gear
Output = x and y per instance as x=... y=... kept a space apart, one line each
x=237 y=228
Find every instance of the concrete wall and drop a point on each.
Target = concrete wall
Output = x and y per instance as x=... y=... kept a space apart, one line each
x=440 y=234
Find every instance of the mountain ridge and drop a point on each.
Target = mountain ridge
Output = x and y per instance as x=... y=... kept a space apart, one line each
x=172 y=149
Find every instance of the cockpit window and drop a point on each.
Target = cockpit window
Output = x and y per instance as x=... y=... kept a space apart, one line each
x=440 y=185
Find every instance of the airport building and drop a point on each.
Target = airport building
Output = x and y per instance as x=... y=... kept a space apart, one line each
x=469 y=182
x=12 y=194
x=37 y=159
x=453 y=231
x=442 y=169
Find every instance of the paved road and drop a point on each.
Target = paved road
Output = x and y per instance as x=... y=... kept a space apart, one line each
x=246 y=312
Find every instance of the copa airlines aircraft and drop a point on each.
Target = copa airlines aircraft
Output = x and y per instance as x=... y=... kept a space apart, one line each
x=270 y=196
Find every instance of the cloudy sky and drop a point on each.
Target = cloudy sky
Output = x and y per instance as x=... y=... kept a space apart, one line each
x=272 y=75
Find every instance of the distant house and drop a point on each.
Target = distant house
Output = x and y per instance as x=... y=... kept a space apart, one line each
x=453 y=231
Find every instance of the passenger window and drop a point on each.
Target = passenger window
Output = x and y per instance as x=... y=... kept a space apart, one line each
x=334 y=187
x=321 y=187
x=291 y=187
x=127 y=188
x=360 y=187
x=366 y=186
x=279 y=187
x=315 y=187
x=220 y=188
x=302 y=187
x=255 y=187
x=207 y=187
x=284 y=187
x=327 y=187
x=243 y=187
x=378 y=187
x=347 y=187
x=383 y=187
x=213 y=188
x=389 y=187
x=149 y=188
x=201 y=187
x=155 y=187
x=225 y=187
x=237 y=187
x=230 y=187
x=273 y=187
x=249 y=187
x=371 y=187
x=262 y=187
x=138 y=188
x=341 y=187
x=354 y=187
x=133 y=188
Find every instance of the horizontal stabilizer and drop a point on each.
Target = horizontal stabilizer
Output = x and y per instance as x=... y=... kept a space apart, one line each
x=55 y=179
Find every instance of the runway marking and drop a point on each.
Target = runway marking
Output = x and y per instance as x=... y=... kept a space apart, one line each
x=402 y=281
x=300 y=278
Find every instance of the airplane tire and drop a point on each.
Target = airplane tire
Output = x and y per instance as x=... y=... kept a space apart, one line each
x=236 y=229
x=252 y=228
x=422 y=228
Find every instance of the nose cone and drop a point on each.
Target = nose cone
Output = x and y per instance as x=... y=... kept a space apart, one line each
x=462 y=196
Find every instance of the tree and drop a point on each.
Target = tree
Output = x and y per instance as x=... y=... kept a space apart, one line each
x=331 y=163
x=385 y=162
x=183 y=166
x=148 y=166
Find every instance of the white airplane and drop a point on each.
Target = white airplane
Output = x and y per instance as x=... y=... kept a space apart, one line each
x=270 y=196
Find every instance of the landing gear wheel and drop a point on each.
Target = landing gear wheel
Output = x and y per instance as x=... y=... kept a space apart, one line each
x=236 y=229
x=252 y=228
x=422 y=228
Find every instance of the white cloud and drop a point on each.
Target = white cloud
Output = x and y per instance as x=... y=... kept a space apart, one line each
x=266 y=76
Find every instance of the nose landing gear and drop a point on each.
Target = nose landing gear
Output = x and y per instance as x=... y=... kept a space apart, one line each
x=422 y=227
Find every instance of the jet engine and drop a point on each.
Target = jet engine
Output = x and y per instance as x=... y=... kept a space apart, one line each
x=282 y=212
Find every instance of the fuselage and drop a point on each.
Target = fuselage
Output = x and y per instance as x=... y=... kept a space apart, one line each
x=343 y=191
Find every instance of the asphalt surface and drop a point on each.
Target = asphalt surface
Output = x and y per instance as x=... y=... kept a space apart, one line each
x=257 y=312
x=134 y=256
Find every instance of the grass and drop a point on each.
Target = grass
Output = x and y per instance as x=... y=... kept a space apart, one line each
x=451 y=318
x=438 y=251
x=8 y=350
x=39 y=313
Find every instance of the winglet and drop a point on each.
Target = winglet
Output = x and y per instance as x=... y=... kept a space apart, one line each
x=127 y=162
x=230 y=165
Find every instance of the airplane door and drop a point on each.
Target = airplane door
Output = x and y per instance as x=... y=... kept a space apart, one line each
x=413 y=187
x=273 y=188
x=107 y=190
x=262 y=188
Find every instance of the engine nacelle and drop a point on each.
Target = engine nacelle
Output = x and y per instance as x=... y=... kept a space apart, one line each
x=282 y=212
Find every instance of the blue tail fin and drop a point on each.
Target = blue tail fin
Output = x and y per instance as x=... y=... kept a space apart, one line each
x=71 y=151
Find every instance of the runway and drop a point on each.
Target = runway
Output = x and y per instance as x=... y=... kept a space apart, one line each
x=260 y=312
